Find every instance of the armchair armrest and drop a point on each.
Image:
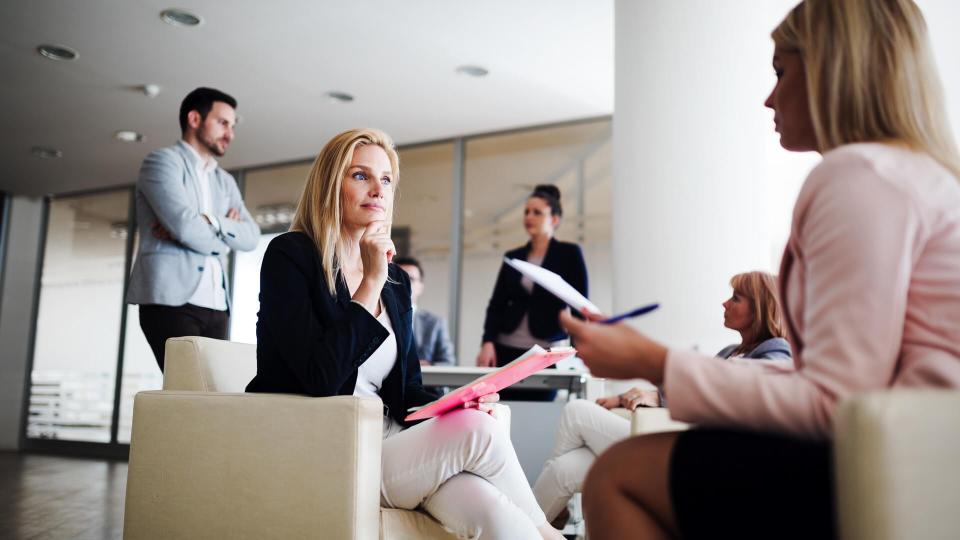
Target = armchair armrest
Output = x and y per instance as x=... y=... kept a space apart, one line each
x=653 y=420
x=222 y=465
x=896 y=465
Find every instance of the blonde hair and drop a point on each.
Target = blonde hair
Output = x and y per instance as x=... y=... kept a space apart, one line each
x=319 y=212
x=870 y=75
x=760 y=289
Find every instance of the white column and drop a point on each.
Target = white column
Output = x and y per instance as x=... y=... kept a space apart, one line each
x=941 y=17
x=702 y=190
x=17 y=311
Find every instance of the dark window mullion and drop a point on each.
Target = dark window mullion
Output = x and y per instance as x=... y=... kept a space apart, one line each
x=34 y=313
x=127 y=264
x=241 y=177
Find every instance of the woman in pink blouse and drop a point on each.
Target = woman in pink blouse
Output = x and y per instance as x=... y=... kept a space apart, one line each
x=870 y=284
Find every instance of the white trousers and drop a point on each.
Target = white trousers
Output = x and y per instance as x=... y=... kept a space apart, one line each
x=586 y=430
x=462 y=469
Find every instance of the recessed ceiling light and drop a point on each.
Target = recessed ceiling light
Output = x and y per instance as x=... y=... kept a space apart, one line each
x=43 y=152
x=125 y=135
x=473 y=71
x=180 y=17
x=58 y=52
x=339 y=97
x=150 y=90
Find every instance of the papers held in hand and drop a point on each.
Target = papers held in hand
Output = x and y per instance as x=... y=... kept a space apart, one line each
x=564 y=291
x=553 y=283
x=527 y=364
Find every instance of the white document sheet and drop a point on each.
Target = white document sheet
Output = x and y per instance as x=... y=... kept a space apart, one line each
x=553 y=283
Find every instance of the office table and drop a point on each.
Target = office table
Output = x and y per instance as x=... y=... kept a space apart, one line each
x=574 y=382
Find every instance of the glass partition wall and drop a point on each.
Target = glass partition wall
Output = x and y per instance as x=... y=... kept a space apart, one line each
x=458 y=208
x=271 y=194
x=73 y=376
x=422 y=218
x=140 y=371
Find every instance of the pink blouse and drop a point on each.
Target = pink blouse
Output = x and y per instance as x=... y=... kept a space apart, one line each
x=870 y=281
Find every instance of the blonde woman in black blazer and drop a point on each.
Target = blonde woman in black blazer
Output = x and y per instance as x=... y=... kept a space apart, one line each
x=335 y=319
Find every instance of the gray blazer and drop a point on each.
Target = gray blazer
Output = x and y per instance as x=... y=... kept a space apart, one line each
x=167 y=271
x=432 y=338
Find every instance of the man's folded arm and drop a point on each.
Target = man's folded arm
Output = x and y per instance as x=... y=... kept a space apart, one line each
x=241 y=234
x=160 y=184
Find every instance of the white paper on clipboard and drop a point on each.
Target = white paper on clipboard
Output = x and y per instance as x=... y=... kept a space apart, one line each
x=553 y=283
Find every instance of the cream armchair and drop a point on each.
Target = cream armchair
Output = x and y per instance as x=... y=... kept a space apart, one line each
x=209 y=461
x=652 y=420
x=896 y=460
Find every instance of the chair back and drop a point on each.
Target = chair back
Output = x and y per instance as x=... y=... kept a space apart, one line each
x=208 y=365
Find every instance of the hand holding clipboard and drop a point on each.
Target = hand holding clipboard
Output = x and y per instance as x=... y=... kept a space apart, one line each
x=527 y=364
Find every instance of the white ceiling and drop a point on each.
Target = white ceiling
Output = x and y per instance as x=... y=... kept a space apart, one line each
x=549 y=60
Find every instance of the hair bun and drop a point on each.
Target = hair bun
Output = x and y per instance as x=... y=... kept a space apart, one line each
x=548 y=189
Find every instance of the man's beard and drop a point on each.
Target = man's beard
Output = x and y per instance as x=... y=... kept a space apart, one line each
x=210 y=145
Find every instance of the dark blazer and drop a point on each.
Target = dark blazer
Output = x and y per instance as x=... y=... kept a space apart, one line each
x=510 y=301
x=309 y=342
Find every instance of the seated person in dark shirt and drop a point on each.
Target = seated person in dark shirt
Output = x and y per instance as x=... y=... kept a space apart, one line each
x=429 y=330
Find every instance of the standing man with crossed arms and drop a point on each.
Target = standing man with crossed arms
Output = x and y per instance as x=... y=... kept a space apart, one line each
x=189 y=216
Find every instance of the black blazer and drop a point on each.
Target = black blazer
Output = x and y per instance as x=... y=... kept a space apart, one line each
x=309 y=342
x=510 y=301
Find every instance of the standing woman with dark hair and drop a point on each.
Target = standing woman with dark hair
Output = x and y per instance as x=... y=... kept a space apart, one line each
x=870 y=287
x=521 y=314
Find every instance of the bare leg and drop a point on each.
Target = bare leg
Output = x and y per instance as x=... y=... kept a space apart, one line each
x=627 y=493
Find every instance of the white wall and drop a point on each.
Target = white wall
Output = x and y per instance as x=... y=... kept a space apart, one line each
x=701 y=189
x=20 y=276
x=942 y=17
x=246 y=292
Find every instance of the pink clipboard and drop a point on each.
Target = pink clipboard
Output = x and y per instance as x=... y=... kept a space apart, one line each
x=494 y=381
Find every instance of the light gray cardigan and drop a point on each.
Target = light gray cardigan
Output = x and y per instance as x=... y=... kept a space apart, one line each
x=772 y=349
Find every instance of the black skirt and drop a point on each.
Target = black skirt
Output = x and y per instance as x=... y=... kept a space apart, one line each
x=744 y=485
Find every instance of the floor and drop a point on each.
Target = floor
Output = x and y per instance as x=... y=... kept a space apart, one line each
x=54 y=498
x=46 y=497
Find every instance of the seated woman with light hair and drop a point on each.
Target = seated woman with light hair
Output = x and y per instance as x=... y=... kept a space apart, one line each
x=336 y=319
x=870 y=285
x=586 y=428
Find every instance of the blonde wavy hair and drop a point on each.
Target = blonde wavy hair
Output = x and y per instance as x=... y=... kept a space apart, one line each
x=870 y=75
x=319 y=212
x=760 y=289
